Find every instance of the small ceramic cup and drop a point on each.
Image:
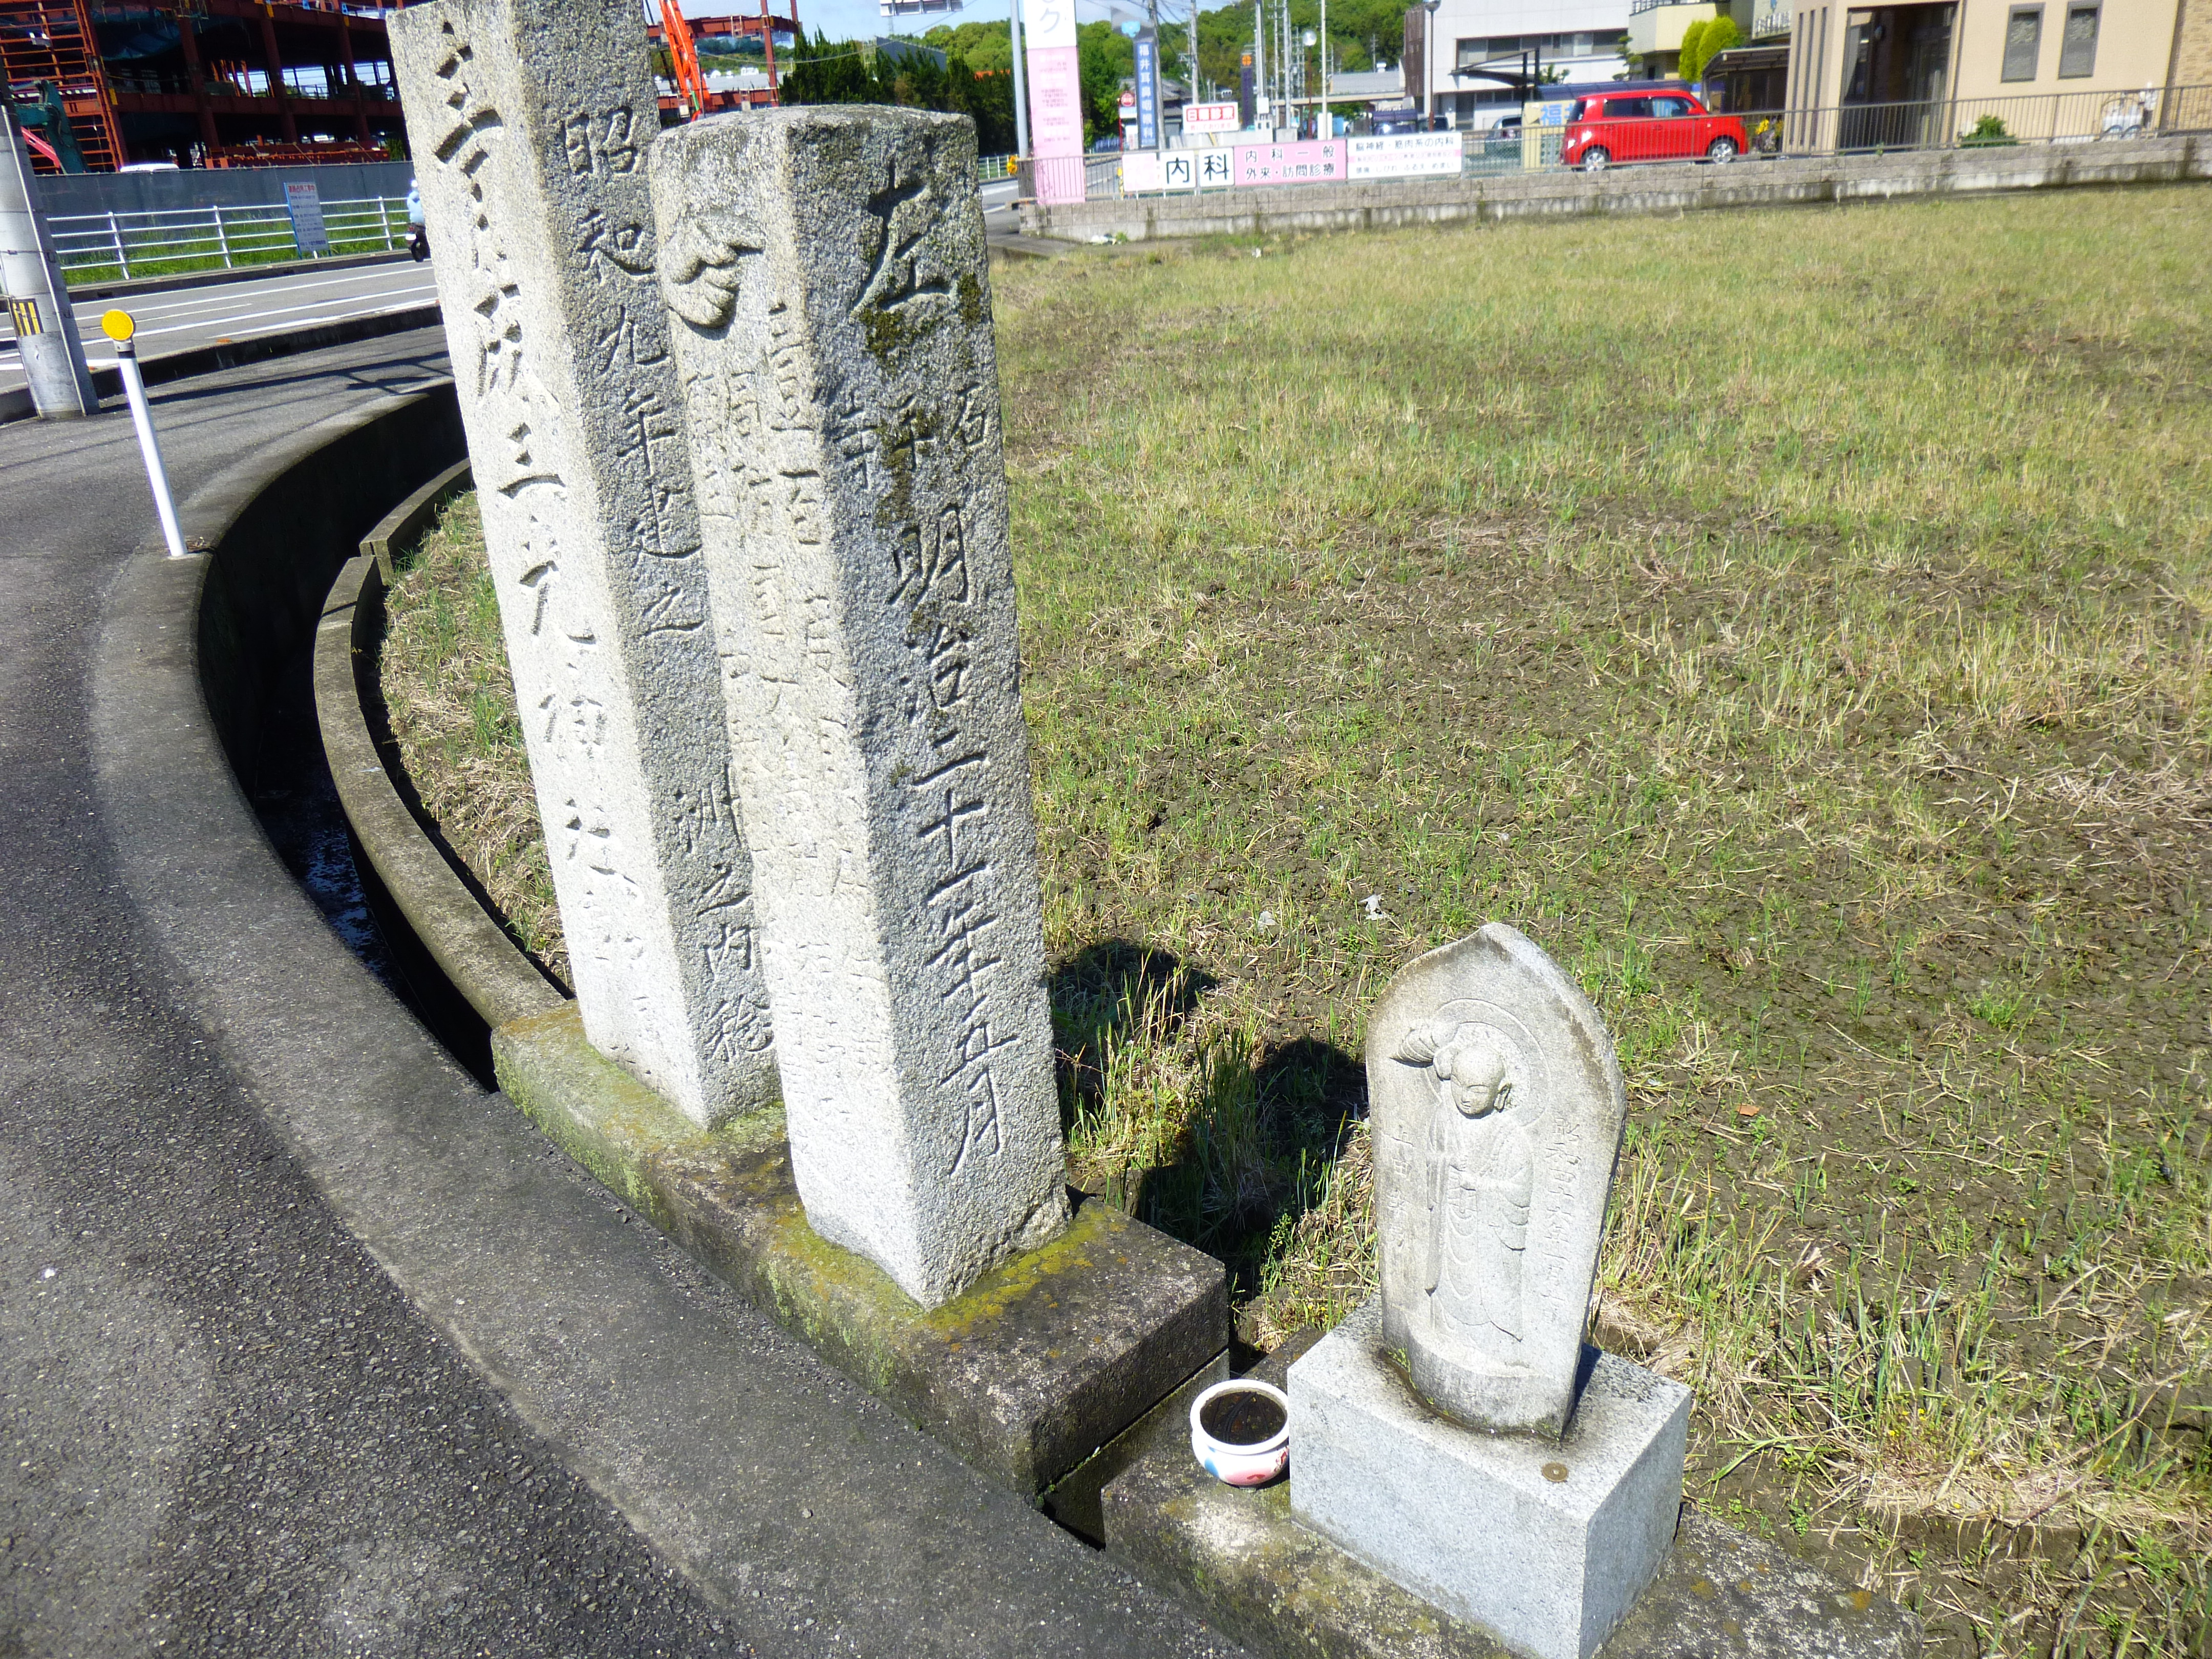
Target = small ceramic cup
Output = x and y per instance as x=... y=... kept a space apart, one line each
x=1244 y=1439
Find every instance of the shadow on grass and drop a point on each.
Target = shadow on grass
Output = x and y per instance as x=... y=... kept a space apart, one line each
x=1202 y=1131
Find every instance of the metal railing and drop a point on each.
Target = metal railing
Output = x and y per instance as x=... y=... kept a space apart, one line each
x=172 y=241
x=991 y=169
x=1870 y=128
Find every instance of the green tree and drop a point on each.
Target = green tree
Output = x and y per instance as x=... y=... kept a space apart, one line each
x=842 y=72
x=1107 y=57
x=1691 y=59
x=1703 y=42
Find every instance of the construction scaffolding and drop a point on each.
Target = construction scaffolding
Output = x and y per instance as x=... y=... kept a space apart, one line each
x=201 y=82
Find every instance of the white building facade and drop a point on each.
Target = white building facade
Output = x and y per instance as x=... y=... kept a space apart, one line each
x=1581 y=40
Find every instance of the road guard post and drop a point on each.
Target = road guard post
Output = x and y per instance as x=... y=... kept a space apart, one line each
x=120 y=326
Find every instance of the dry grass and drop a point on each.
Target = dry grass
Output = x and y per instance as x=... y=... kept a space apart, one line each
x=1796 y=622
x=450 y=706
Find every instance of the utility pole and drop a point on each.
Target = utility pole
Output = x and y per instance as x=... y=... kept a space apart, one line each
x=38 y=298
x=1326 y=127
x=1190 y=73
x=1259 y=114
x=1021 y=81
x=1429 y=62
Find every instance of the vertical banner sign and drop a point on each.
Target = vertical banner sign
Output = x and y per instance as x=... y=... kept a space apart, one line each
x=1148 y=90
x=1056 y=100
x=306 y=211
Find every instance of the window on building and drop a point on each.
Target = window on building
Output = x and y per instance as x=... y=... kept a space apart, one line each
x=2077 y=47
x=2023 y=42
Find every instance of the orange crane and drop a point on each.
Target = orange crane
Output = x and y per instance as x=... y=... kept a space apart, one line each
x=683 y=58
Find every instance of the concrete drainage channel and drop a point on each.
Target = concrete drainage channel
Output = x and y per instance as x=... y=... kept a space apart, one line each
x=1047 y=1378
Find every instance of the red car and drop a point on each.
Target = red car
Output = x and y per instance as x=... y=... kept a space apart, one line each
x=1647 y=127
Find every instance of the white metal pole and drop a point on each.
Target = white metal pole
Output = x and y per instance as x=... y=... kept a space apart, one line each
x=1259 y=65
x=134 y=388
x=1326 y=127
x=1021 y=80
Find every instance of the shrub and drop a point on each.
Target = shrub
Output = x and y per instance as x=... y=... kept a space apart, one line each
x=1990 y=129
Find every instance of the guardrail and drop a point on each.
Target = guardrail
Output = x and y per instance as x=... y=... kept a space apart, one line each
x=171 y=241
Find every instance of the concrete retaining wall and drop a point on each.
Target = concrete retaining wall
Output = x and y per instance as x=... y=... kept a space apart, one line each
x=1667 y=188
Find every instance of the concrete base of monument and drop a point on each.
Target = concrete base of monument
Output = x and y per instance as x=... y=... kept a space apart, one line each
x=1243 y=1562
x=1547 y=1542
x=1043 y=1361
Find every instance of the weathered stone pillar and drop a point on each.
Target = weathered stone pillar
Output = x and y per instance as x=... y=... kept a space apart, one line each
x=529 y=120
x=828 y=268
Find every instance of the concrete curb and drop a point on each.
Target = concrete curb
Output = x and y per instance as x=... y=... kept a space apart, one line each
x=1629 y=191
x=15 y=405
x=470 y=948
x=236 y=274
x=1024 y=1375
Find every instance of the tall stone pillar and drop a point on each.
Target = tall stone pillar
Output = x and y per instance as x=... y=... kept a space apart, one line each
x=827 y=266
x=528 y=120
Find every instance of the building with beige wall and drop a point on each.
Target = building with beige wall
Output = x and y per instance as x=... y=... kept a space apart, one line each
x=1901 y=75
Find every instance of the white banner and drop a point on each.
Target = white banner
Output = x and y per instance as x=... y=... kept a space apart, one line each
x=1405 y=156
x=1140 y=171
x=1047 y=24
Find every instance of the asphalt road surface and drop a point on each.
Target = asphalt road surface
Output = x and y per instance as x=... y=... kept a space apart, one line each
x=179 y=318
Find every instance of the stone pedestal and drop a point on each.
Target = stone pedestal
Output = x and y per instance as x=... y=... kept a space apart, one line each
x=1547 y=1542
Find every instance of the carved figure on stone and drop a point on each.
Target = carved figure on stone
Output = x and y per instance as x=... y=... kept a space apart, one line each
x=1481 y=1178
x=1497 y=1109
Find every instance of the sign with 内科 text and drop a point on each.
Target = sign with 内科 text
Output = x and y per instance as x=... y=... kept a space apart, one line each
x=1211 y=118
x=1404 y=155
x=1316 y=160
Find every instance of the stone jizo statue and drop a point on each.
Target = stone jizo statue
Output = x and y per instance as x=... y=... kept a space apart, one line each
x=1498 y=1108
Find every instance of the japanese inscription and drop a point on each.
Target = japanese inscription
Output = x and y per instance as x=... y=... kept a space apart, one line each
x=529 y=119
x=828 y=282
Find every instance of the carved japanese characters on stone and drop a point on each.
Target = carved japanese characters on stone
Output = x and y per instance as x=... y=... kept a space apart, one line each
x=1498 y=1108
x=826 y=266
x=528 y=120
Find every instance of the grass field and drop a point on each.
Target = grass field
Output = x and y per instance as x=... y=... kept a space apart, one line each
x=1794 y=622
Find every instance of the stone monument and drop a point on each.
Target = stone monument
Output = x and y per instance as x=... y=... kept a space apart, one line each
x=1456 y=1433
x=541 y=235
x=827 y=268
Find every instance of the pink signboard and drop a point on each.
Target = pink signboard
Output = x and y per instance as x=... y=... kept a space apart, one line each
x=1056 y=123
x=1312 y=160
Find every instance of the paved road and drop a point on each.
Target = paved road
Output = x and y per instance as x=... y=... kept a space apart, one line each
x=176 y=319
x=262 y=1244
x=999 y=218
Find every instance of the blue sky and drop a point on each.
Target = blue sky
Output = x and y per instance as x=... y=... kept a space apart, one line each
x=849 y=20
